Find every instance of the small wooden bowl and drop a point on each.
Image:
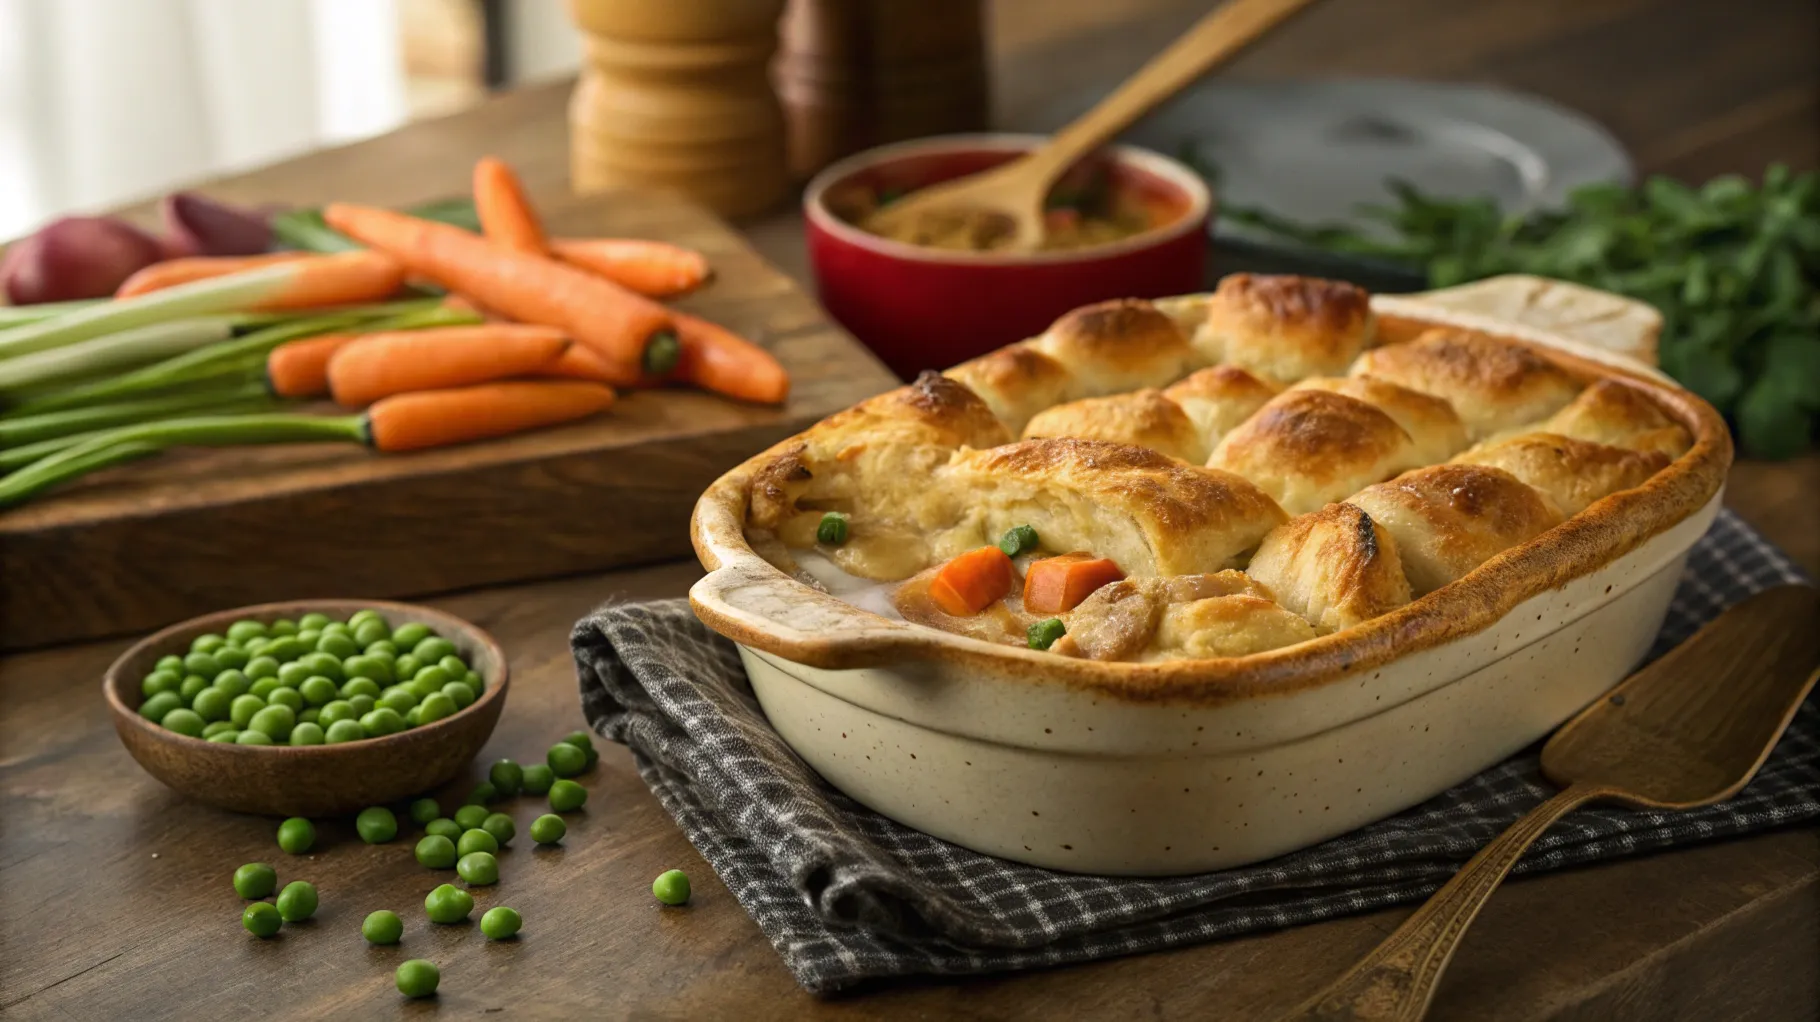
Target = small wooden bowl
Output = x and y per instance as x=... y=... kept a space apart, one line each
x=308 y=780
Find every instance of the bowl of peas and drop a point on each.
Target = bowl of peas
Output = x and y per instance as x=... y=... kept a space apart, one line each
x=308 y=708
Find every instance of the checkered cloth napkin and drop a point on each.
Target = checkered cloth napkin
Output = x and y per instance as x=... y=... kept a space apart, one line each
x=846 y=895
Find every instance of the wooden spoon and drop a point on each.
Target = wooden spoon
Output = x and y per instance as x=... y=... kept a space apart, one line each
x=1015 y=191
x=1688 y=730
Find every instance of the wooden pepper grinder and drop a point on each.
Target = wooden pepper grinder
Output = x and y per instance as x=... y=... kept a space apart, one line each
x=858 y=73
x=676 y=94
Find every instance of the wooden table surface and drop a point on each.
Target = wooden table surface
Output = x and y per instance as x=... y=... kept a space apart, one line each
x=114 y=895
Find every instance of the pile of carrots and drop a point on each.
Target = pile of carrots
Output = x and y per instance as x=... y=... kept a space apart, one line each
x=533 y=331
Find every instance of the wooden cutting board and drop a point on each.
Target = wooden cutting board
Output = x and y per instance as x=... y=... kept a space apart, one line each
x=198 y=530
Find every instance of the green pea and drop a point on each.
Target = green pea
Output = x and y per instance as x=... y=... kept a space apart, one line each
x=191 y=687
x=241 y=710
x=376 y=825
x=261 y=919
x=398 y=699
x=456 y=666
x=251 y=737
x=538 y=778
x=368 y=667
x=443 y=827
x=567 y=796
x=241 y=631
x=433 y=649
x=671 y=887
x=418 y=977
x=160 y=681
x=409 y=634
x=308 y=732
x=337 y=627
x=470 y=817
x=1018 y=539
x=434 y=707
x=420 y=689
x=314 y=619
x=261 y=667
x=297 y=901
x=344 y=731
x=407 y=666
x=548 y=829
x=336 y=709
x=255 y=880
x=282 y=626
x=448 y=904
x=232 y=657
x=501 y=827
x=364 y=614
x=276 y=720
x=214 y=705
x=339 y=645
x=479 y=869
x=156 y=707
x=483 y=793
x=308 y=637
x=323 y=664
x=215 y=727
x=580 y=739
x=296 y=835
x=435 y=852
x=169 y=662
x=507 y=776
x=264 y=687
x=382 y=648
x=1044 y=633
x=423 y=810
x=382 y=927
x=184 y=722
x=370 y=631
x=566 y=760
x=284 y=649
x=500 y=922
x=317 y=690
x=362 y=704
x=832 y=529
x=381 y=721
x=233 y=683
x=433 y=674
x=227 y=737
x=413 y=717
x=310 y=715
x=290 y=675
x=475 y=682
x=201 y=663
x=207 y=642
x=360 y=687
x=462 y=694
x=282 y=696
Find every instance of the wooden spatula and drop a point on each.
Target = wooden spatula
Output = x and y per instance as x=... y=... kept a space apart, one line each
x=1688 y=730
x=1015 y=191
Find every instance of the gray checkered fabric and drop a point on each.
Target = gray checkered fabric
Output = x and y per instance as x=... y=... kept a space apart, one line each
x=846 y=895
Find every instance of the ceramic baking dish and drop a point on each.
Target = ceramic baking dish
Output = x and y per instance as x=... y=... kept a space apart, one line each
x=1185 y=766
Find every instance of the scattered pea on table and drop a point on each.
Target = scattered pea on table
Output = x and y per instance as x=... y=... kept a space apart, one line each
x=548 y=829
x=424 y=810
x=671 y=887
x=255 y=880
x=435 y=852
x=507 y=777
x=501 y=922
x=567 y=796
x=470 y=817
x=443 y=827
x=296 y=835
x=537 y=779
x=476 y=840
x=501 y=827
x=418 y=978
x=261 y=919
x=483 y=793
x=382 y=927
x=566 y=760
x=448 y=904
x=479 y=869
x=376 y=825
x=297 y=901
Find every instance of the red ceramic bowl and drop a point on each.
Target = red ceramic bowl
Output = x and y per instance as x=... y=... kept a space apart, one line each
x=921 y=308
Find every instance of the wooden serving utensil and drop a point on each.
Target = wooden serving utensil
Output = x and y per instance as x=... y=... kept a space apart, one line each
x=1689 y=730
x=1015 y=191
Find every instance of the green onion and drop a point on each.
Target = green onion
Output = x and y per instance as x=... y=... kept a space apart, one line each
x=19 y=430
x=18 y=457
x=233 y=293
x=305 y=228
x=21 y=315
x=123 y=350
x=1017 y=539
x=1041 y=635
x=832 y=529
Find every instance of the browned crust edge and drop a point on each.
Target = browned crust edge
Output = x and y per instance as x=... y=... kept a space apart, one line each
x=1607 y=530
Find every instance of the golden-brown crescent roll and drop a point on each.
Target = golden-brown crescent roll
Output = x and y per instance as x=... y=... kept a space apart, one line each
x=1112 y=347
x=1284 y=328
x=1218 y=398
x=1016 y=382
x=1143 y=417
x=1493 y=385
x=1307 y=448
x=1336 y=567
x=1449 y=519
x=1430 y=422
x=874 y=461
x=1616 y=413
x=1149 y=513
x=1573 y=473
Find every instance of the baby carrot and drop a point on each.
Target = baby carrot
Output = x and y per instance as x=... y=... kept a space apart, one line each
x=634 y=334
x=655 y=269
x=436 y=418
x=715 y=358
x=382 y=364
x=972 y=581
x=579 y=363
x=506 y=216
x=172 y=272
x=1056 y=584
x=345 y=278
x=300 y=368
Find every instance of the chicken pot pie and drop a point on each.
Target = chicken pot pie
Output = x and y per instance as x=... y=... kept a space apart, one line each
x=1136 y=485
